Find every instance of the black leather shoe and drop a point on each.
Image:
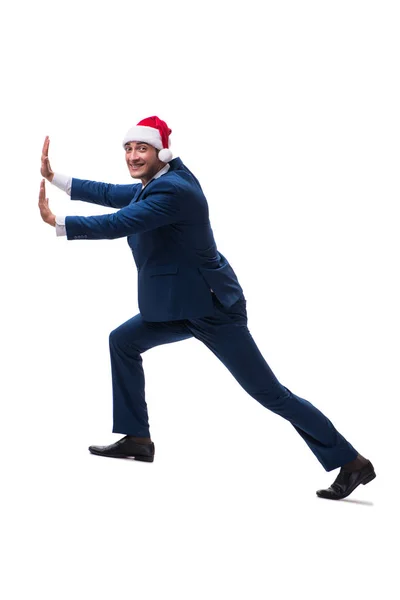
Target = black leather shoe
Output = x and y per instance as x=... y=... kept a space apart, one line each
x=347 y=481
x=126 y=448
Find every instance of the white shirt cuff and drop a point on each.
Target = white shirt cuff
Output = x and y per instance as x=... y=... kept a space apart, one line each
x=64 y=182
x=60 y=226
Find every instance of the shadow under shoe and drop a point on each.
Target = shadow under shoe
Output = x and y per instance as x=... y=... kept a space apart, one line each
x=347 y=481
x=126 y=448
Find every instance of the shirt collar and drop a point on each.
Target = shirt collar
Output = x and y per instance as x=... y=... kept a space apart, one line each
x=157 y=175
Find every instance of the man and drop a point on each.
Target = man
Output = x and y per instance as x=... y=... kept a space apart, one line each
x=186 y=288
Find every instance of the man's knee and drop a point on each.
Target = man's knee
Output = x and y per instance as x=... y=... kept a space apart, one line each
x=114 y=337
x=275 y=397
x=119 y=337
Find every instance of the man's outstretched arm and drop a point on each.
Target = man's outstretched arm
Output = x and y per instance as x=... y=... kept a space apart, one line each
x=162 y=207
x=106 y=194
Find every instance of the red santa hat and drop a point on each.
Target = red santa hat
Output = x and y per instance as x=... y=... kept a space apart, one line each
x=153 y=131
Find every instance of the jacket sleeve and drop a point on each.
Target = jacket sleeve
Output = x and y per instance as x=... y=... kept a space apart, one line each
x=158 y=209
x=106 y=194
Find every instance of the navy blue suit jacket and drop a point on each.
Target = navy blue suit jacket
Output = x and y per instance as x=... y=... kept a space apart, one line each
x=169 y=232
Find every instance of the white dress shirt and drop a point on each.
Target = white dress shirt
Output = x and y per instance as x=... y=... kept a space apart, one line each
x=64 y=182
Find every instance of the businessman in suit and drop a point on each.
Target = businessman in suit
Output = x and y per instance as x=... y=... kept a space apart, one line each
x=186 y=288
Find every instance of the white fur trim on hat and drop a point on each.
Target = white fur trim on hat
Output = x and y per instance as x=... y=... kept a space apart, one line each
x=141 y=133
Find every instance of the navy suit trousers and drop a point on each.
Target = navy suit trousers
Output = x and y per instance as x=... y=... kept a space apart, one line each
x=226 y=334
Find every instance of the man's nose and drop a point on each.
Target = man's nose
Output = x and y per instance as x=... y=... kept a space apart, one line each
x=134 y=155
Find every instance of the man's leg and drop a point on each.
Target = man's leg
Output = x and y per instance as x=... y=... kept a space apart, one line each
x=127 y=343
x=227 y=336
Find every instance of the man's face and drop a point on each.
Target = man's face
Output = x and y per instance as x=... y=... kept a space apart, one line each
x=142 y=160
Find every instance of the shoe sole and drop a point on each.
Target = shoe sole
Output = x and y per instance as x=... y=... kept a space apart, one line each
x=142 y=458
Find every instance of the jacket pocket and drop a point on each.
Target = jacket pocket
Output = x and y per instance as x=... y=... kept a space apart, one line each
x=162 y=270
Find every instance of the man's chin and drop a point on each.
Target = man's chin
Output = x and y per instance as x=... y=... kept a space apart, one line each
x=137 y=175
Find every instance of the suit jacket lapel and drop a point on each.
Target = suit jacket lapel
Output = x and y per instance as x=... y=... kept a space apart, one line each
x=136 y=197
x=176 y=163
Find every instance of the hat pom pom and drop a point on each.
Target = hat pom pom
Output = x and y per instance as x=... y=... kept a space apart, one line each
x=165 y=155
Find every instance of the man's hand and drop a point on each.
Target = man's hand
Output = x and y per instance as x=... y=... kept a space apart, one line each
x=45 y=168
x=45 y=211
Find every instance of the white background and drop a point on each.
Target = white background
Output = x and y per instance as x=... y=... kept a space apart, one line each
x=288 y=113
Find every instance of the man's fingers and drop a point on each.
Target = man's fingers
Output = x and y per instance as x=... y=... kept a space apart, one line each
x=44 y=202
x=45 y=152
x=42 y=191
x=45 y=149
